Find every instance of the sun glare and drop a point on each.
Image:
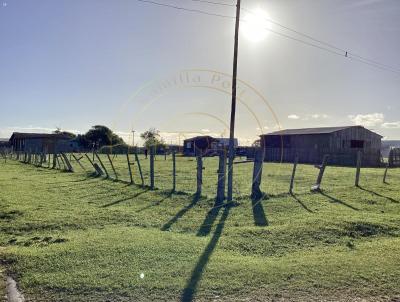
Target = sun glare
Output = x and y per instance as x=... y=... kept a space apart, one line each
x=256 y=25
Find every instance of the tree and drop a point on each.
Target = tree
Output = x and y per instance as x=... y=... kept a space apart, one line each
x=152 y=138
x=100 y=136
x=66 y=133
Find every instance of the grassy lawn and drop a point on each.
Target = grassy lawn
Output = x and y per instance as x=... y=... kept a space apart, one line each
x=70 y=237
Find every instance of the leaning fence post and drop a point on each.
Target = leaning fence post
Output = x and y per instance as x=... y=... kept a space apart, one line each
x=78 y=161
x=296 y=161
x=257 y=173
x=112 y=166
x=199 y=177
x=139 y=168
x=67 y=163
x=95 y=166
x=173 y=171
x=101 y=163
x=321 y=168
x=152 y=168
x=221 y=176
x=129 y=166
x=359 y=158
x=385 y=174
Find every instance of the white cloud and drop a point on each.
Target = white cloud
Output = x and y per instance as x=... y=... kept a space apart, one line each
x=367 y=120
x=293 y=117
x=319 y=116
x=391 y=125
x=205 y=130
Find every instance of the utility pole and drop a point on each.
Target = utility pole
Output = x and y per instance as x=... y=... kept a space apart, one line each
x=233 y=107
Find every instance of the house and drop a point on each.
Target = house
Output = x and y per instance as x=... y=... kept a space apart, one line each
x=311 y=144
x=4 y=144
x=42 y=143
x=205 y=145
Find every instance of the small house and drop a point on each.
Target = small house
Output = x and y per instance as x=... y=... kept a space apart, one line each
x=205 y=145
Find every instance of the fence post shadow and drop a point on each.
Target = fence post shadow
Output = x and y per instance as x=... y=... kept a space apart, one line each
x=258 y=212
x=378 y=195
x=333 y=199
x=191 y=285
x=210 y=218
x=182 y=212
x=301 y=203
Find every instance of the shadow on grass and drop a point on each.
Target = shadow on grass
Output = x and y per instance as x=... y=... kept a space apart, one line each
x=191 y=286
x=123 y=199
x=167 y=196
x=379 y=195
x=182 y=212
x=209 y=220
x=301 y=203
x=333 y=199
x=258 y=212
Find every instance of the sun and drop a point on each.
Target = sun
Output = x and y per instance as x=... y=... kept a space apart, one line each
x=255 y=25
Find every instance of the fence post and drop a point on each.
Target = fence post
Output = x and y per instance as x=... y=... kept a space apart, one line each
x=385 y=174
x=296 y=161
x=221 y=176
x=139 y=167
x=95 y=166
x=173 y=171
x=112 y=166
x=359 y=158
x=129 y=166
x=152 y=168
x=78 y=161
x=257 y=173
x=67 y=163
x=199 y=177
x=321 y=168
x=101 y=164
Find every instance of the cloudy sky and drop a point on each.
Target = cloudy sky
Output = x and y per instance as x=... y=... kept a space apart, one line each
x=135 y=65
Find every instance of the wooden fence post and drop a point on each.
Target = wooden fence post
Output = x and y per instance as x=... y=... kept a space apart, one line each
x=139 y=167
x=112 y=166
x=199 y=160
x=101 y=164
x=257 y=173
x=78 y=161
x=385 y=174
x=321 y=168
x=221 y=176
x=296 y=161
x=359 y=158
x=129 y=167
x=95 y=166
x=152 y=168
x=67 y=163
x=173 y=171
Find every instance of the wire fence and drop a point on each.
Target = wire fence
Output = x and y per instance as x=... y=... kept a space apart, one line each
x=276 y=178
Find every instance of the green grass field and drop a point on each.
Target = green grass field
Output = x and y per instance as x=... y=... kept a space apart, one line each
x=72 y=237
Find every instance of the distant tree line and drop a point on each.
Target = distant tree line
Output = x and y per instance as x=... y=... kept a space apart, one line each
x=100 y=136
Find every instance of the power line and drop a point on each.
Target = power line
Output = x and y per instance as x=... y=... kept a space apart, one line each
x=214 y=2
x=187 y=9
x=345 y=52
x=330 y=47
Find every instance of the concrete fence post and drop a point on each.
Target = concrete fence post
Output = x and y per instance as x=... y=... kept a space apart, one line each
x=221 y=176
x=257 y=174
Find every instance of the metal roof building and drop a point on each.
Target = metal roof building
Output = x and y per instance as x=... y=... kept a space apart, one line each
x=311 y=144
x=42 y=142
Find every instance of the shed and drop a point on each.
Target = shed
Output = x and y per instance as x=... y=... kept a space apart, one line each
x=311 y=144
x=42 y=143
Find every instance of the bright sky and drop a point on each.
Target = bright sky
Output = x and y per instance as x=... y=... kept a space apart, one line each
x=74 y=64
